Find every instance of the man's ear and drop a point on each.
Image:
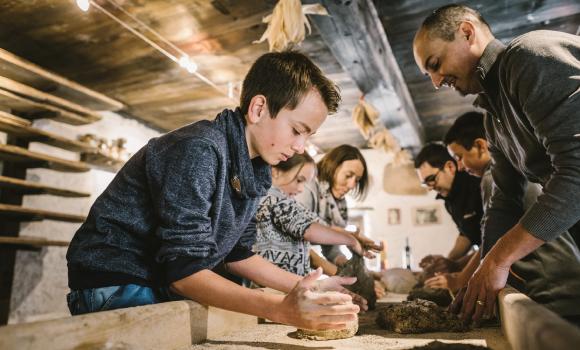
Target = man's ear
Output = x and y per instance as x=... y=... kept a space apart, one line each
x=257 y=109
x=481 y=145
x=451 y=166
x=467 y=31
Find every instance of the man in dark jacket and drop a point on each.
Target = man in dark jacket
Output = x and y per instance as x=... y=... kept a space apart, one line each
x=438 y=171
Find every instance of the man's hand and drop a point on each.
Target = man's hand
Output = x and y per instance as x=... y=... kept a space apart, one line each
x=440 y=281
x=336 y=283
x=451 y=281
x=305 y=307
x=478 y=300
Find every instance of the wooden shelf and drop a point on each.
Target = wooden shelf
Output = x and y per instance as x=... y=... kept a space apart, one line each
x=32 y=241
x=16 y=68
x=102 y=161
x=31 y=159
x=17 y=213
x=27 y=187
x=10 y=125
x=42 y=97
x=35 y=110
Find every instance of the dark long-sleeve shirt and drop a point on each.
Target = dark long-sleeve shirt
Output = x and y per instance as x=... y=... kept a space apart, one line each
x=532 y=94
x=185 y=202
x=464 y=205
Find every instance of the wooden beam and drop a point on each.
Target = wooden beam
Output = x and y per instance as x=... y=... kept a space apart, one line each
x=10 y=125
x=17 y=213
x=42 y=97
x=16 y=68
x=39 y=160
x=32 y=241
x=27 y=187
x=174 y=325
x=36 y=110
x=530 y=326
x=355 y=36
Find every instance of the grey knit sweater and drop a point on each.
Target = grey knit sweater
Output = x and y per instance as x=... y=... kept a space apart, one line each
x=185 y=202
x=532 y=94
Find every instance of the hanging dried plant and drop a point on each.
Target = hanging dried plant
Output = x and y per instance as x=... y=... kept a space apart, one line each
x=401 y=158
x=365 y=117
x=287 y=25
x=383 y=139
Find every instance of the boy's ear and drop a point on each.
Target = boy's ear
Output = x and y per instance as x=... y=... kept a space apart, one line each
x=258 y=109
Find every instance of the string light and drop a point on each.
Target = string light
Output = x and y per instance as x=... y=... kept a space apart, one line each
x=185 y=61
x=84 y=5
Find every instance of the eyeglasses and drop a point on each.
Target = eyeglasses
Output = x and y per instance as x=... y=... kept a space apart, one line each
x=430 y=180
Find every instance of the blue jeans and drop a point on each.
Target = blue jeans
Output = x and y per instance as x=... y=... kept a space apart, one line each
x=116 y=297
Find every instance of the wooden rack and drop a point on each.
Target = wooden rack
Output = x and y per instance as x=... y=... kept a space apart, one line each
x=18 y=213
x=27 y=187
x=28 y=92
x=32 y=241
x=31 y=159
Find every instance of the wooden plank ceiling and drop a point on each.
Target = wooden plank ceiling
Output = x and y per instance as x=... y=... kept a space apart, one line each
x=97 y=52
x=508 y=19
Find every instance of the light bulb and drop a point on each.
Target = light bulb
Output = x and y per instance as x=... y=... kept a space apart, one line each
x=188 y=64
x=84 y=4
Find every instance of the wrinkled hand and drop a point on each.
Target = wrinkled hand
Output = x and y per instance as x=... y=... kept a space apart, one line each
x=438 y=282
x=451 y=281
x=478 y=300
x=304 y=307
x=336 y=283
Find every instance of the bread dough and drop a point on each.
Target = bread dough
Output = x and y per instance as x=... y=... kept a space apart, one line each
x=330 y=334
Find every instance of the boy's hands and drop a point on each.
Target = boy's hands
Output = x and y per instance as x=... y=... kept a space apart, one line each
x=306 y=307
x=336 y=283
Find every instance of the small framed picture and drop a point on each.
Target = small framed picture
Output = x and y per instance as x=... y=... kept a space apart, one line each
x=427 y=215
x=394 y=216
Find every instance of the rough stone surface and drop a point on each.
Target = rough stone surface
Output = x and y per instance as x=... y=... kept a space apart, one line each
x=418 y=316
x=365 y=284
x=439 y=296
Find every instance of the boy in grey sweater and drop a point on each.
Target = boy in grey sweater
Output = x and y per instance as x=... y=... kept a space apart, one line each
x=530 y=89
x=186 y=203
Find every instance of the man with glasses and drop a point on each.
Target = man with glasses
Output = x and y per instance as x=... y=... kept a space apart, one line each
x=437 y=170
